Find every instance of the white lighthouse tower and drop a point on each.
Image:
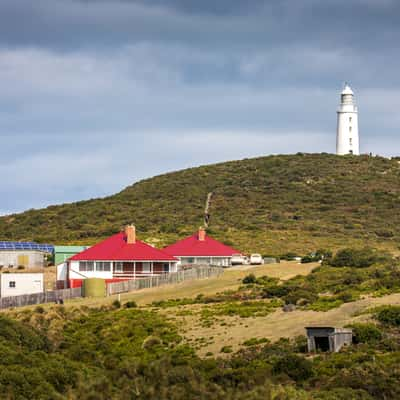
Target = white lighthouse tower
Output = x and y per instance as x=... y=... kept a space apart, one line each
x=347 y=124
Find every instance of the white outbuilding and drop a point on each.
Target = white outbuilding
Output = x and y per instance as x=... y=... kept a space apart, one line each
x=347 y=138
x=16 y=284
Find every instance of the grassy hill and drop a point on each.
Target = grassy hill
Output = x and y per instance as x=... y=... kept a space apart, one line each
x=275 y=204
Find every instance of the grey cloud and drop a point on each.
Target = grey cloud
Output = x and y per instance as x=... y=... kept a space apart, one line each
x=69 y=23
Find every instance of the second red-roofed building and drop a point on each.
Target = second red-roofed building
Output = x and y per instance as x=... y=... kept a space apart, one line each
x=120 y=257
x=201 y=249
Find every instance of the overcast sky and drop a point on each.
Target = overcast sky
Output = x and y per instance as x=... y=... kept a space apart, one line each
x=97 y=94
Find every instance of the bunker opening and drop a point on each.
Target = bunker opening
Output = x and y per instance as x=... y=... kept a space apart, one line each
x=322 y=343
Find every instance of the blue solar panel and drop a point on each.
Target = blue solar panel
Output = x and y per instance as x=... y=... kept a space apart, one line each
x=47 y=248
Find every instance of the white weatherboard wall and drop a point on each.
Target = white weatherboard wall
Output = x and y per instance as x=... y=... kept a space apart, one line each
x=347 y=138
x=74 y=272
x=17 y=284
x=201 y=260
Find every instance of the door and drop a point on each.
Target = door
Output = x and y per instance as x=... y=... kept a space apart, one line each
x=23 y=260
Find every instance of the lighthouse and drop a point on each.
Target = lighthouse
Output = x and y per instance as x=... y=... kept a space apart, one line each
x=347 y=124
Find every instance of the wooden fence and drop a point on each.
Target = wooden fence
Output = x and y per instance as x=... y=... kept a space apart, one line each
x=200 y=272
x=39 y=298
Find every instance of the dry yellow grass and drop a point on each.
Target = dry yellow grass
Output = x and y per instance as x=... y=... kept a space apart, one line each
x=236 y=330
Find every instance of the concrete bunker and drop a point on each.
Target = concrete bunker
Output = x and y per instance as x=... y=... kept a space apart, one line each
x=328 y=338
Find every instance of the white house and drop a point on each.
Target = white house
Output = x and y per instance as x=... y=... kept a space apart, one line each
x=201 y=249
x=120 y=257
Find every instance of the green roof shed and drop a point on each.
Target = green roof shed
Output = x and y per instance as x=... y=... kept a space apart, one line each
x=62 y=253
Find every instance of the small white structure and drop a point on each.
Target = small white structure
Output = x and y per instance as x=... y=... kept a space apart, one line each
x=347 y=140
x=26 y=258
x=15 y=284
x=328 y=338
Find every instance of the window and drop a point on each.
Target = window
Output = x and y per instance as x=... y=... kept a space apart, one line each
x=350 y=128
x=189 y=260
x=350 y=118
x=86 y=266
x=118 y=266
x=11 y=284
x=146 y=267
x=103 y=266
x=350 y=141
x=166 y=267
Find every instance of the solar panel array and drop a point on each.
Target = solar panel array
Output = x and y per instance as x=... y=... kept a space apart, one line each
x=47 y=248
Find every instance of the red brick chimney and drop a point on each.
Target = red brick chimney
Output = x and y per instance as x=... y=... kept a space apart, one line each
x=202 y=234
x=130 y=232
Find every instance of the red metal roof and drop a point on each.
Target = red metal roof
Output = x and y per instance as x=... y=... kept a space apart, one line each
x=115 y=248
x=192 y=247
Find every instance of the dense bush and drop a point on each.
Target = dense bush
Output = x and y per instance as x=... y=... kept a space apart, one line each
x=130 y=304
x=251 y=278
x=116 y=304
x=296 y=367
x=303 y=295
x=366 y=333
x=389 y=315
x=359 y=258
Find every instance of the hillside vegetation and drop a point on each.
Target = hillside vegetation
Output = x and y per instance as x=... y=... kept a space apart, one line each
x=125 y=351
x=273 y=205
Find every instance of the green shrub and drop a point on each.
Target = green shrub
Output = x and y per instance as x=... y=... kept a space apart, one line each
x=359 y=258
x=116 y=304
x=348 y=296
x=305 y=296
x=226 y=349
x=389 y=315
x=307 y=259
x=255 y=341
x=275 y=291
x=151 y=341
x=251 y=278
x=296 y=367
x=325 y=304
x=366 y=333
